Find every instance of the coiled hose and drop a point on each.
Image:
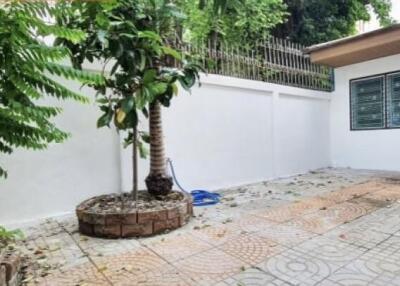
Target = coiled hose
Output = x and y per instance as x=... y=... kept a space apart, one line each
x=200 y=197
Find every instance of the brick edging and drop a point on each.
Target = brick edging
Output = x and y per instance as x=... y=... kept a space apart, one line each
x=10 y=266
x=133 y=224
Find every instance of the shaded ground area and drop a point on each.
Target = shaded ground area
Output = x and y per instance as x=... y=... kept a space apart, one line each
x=328 y=227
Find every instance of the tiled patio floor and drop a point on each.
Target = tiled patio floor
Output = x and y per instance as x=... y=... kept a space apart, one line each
x=329 y=227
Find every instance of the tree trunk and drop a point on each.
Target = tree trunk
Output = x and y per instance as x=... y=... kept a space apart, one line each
x=158 y=182
x=134 y=165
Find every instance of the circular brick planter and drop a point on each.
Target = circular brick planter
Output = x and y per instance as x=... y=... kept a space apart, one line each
x=10 y=268
x=130 y=222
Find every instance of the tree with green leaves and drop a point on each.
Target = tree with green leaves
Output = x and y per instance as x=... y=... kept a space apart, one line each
x=317 y=21
x=303 y=21
x=242 y=22
x=27 y=70
x=133 y=38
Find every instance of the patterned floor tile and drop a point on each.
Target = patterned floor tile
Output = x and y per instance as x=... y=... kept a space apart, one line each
x=69 y=224
x=378 y=266
x=366 y=188
x=126 y=266
x=328 y=282
x=254 y=277
x=218 y=213
x=286 y=235
x=346 y=212
x=322 y=221
x=370 y=204
x=352 y=234
x=317 y=223
x=298 y=268
x=216 y=235
x=175 y=248
x=62 y=249
x=339 y=196
x=335 y=252
x=166 y=275
x=257 y=204
x=209 y=267
x=99 y=247
x=345 y=277
x=46 y=228
x=85 y=274
x=318 y=202
x=386 y=220
x=389 y=195
x=250 y=223
x=251 y=249
x=272 y=226
x=287 y=212
x=355 y=191
x=385 y=257
x=54 y=252
x=278 y=214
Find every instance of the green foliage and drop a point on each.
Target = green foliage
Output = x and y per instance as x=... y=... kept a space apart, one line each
x=246 y=22
x=317 y=21
x=26 y=67
x=8 y=236
x=236 y=21
x=133 y=39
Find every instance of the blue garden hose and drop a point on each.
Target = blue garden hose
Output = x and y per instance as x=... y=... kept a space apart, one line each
x=200 y=197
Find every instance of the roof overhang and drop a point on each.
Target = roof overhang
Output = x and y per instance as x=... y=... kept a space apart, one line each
x=364 y=47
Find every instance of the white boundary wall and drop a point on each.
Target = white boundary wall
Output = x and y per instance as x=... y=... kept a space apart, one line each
x=233 y=131
x=51 y=182
x=228 y=132
x=367 y=149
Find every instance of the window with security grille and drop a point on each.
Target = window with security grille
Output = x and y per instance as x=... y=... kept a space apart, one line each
x=368 y=103
x=393 y=100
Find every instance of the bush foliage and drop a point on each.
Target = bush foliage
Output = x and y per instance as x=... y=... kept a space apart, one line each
x=27 y=69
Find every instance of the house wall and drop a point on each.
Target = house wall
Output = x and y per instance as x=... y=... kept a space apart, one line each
x=228 y=132
x=368 y=149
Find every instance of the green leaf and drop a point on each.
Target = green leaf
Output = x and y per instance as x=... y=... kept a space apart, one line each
x=142 y=98
x=149 y=35
x=142 y=150
x=175 y=89
x=142 y=61
x=102 y=20
x=158 y=88
x=127 y=104
x=149 y=76
x=105 y=119
x=71 y=73
x=145 y=137
x=171 y=52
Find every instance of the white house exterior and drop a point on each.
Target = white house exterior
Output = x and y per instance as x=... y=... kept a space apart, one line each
x=365 y=105
x=365 y=149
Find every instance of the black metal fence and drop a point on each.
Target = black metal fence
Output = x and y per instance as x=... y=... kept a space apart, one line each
x=273 y=60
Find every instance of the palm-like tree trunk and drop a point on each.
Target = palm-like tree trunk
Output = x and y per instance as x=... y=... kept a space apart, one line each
x=134 y=166
x=158 y=182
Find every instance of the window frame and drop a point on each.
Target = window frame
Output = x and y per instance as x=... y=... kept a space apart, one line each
x=387 y=75
x=385 y=100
